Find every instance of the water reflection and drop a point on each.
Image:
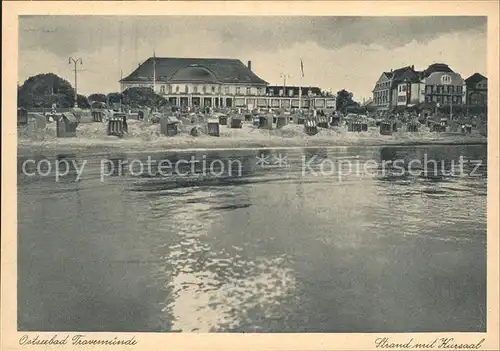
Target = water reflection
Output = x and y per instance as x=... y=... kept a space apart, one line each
x=271 y=250
x=216 y=287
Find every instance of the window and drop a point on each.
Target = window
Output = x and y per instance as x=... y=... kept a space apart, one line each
x=446 y=79
x=427 y=99
x=213 y=89
x=226 y=90
x=219 y=89
x=259 y=91
x=204 y=89
x=446 y=99
x=162 y=89
x=195 y=89
x=459 y=90
x=281 y=92
x=177 y=89
x=249 y=91
x=186 y=89
x=238 y=90
x=290 y=92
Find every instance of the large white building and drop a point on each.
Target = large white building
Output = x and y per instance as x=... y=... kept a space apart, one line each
x=214 y=82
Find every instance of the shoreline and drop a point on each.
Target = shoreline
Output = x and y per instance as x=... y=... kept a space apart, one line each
x=26 y=146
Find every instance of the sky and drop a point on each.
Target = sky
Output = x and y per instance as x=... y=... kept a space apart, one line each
x=337 y=52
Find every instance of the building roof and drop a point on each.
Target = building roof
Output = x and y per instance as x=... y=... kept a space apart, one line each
x=475 y=78
x=437 y=67
x=194 y=70
x=407 y=73
x=388 y=74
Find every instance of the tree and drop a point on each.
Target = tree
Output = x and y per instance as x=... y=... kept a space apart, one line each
x=113 y=98
x=97 y=97
x=44 y=90
x=345 y=100
x=83 y=102
x=139 y=96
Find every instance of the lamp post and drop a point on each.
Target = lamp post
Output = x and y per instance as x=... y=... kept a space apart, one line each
x=284 y=76
x=75 y=62
x=446 y=81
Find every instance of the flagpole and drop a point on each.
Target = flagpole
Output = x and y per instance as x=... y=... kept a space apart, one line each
x=154 y=72
x=121 y=90
x=300 y=86
x=300 y=93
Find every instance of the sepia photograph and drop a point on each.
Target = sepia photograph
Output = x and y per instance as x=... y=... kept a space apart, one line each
x=252 y=174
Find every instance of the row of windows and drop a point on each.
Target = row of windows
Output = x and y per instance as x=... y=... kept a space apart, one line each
x=443 y=89
x=379 y=94
x=239 y=91
x=443 y=99
x=382 y=100
x=383 y=85
x=207 y=89
x=280 y=92
x=169 y=89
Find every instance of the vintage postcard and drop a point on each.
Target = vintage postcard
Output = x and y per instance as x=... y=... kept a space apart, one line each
x=250 y=175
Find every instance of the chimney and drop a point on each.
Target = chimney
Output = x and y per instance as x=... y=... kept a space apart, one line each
x=249 y=65
x=412 y=67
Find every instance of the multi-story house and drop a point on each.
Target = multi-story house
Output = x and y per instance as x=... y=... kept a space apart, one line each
x=477 y=90
x=407 y=88
x=395 y=88
x=437 y=84
x=443 y=86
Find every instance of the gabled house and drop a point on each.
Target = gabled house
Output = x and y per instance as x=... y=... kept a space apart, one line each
x=477 y=90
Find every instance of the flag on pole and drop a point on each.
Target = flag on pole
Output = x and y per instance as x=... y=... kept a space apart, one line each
x=302 y=67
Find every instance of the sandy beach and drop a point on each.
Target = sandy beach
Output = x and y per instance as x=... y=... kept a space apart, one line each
x=143 y=136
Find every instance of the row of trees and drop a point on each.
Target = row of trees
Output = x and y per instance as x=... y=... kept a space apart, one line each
x=44 y=90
